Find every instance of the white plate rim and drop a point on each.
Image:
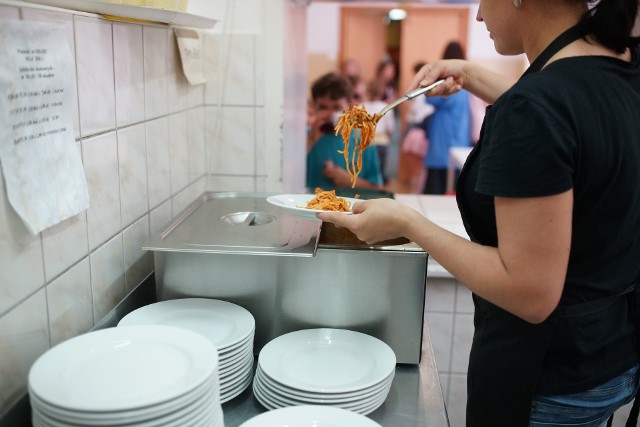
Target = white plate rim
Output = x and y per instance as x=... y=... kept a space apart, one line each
x=208 y=310
x=294 y=203
x=270 y=359
x=50 y=373
x=305 y=415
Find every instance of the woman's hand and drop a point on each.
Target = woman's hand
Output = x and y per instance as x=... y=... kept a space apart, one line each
x=451 y=70
x=461 y=74
x=374 y=220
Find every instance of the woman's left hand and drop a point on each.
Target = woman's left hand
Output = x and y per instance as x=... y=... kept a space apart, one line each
x=374 y=220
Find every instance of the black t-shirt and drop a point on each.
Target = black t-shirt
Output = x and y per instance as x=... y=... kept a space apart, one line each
x=573 y=125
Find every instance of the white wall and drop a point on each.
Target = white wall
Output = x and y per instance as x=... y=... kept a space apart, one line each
x=156 y=145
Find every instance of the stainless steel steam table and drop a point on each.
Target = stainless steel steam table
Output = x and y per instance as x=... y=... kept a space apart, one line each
x=415 y=398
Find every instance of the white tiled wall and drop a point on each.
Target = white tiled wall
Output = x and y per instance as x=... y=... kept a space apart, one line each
x=150 y=144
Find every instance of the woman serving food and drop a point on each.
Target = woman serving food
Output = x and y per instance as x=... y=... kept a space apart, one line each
x=550 y=197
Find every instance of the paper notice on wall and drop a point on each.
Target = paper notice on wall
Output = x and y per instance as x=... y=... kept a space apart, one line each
x=190 y=47
x=41 y=163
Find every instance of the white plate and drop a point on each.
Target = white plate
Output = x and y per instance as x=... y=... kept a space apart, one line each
x=310 y=416
x=327 y=360
x=222 y=322
x=180 y=404
x=230 y=394
x=131 y=11
x=292 y=393
x=295 y=204
x=158 y=363
x=364 y=405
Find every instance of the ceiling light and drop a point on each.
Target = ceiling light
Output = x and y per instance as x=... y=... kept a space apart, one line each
x=397 y=14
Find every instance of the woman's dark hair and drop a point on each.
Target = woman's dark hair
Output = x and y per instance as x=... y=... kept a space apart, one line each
x=611 y=23
x=453 y=50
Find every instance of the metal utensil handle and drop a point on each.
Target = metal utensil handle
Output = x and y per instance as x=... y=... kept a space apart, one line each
x=409 y=95
x=421 y=90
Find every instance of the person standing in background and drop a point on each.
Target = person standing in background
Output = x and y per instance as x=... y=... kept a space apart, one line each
x=386 y=125
x=386 y=72
x=449 y=126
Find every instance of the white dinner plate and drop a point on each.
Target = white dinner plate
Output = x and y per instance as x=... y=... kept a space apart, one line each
x=310 y=416
x=222 y=322
x=184 y=404
x=304 y=396
x=363 y=406
x=158 y=363
x=327 y=360
x=295 y=204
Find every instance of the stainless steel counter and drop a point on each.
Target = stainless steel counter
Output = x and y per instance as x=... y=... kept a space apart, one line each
x=415 y=398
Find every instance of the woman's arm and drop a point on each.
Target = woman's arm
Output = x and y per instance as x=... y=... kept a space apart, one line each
x=524 y=275
x=461 y=74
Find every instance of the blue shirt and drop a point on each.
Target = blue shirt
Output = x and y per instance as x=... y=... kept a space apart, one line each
x=449 y=126
x=327 y=149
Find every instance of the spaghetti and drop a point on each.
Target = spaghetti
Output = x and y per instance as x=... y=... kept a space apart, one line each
x=327 y=201
x=356 y=118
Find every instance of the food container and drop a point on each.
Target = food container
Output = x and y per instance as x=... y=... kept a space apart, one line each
x=292 y=273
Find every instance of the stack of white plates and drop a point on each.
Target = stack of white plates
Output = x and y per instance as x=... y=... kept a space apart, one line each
x=228 y=326
x=310 y=416
x=135 y=376
x=330 y=367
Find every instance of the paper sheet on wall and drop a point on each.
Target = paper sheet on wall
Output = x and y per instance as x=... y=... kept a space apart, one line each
x=41 y=163
x=190 y=47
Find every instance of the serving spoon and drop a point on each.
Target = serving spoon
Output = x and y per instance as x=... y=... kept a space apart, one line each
x=407 y=96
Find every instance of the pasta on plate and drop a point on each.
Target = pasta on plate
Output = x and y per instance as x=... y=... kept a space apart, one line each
x=328 y=201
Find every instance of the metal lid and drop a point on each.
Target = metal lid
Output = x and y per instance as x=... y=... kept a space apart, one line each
x=237 y=223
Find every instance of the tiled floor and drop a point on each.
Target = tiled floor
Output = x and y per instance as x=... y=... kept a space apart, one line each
x=449 y=314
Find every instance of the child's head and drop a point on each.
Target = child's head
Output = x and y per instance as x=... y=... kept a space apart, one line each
x=331 y=93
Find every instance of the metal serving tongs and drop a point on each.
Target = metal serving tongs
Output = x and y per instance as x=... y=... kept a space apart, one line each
x=407 y=96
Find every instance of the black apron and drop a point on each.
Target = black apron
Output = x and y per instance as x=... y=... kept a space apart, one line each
x=507 y=353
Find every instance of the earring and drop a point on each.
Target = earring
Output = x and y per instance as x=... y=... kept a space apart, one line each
x=517 y=3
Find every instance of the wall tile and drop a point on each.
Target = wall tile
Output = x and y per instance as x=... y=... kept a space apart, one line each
x=464 y=300
x=9 y=12
x=177 y=84
x=24 y=336
x=129 y=73
x=70 y=234
x=261 y=46
x=107 y=277
x=441 y=330
x=462 y=337
x=132 y=161
x=65 y=19
x=237 y=58
x=233 y=149
x=70 y=304
x=196 y=141
x=96 y=92
x=180 y=201
x=159 y=217
x=265 y=153
x=212 y=67
x=138 y=264
x=197 y=188
x=21 y=260
x=100 y=157
x=179 y=149
x=158 y=161
x=440 y=295
x=230 y=183
x=155 y=71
